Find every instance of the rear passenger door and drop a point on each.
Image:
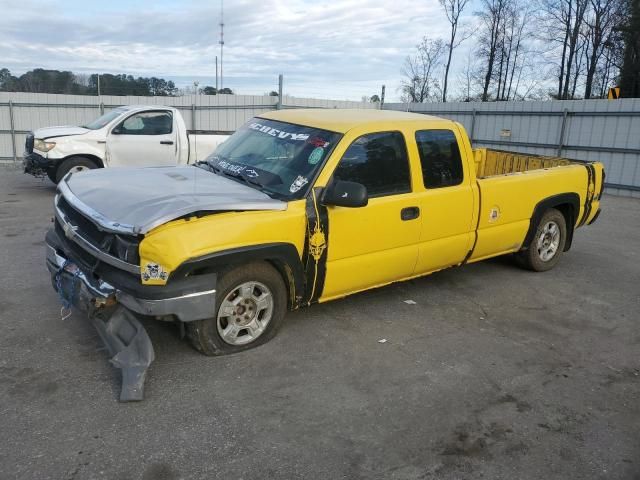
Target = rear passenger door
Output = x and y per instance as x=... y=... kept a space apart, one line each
x=375 y=244
x=448 y=203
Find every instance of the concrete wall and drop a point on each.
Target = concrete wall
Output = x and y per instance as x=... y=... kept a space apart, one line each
x=23 y=112
x=603 y=130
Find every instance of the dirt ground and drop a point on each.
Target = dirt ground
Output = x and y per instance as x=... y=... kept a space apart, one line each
x=494 y=373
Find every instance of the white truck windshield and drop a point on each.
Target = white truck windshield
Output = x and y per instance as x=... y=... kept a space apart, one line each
x=100 y=122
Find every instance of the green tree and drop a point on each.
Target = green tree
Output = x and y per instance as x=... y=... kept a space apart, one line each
x=8 y=83
x=208 y=90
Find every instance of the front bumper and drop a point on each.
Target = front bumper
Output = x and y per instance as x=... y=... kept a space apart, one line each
x=187 y=300
x=36 y=164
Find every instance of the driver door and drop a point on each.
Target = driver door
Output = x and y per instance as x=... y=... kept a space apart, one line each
x=378 y=243
x=143 y=139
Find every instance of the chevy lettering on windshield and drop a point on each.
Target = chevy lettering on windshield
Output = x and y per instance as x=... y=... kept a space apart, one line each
x=274 y=132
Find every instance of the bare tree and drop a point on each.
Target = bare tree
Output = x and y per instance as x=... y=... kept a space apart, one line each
x=452 y=9
x=492 y=18
x=602 y=17
x=470 y=79
x=561 y=22
x=420 y=82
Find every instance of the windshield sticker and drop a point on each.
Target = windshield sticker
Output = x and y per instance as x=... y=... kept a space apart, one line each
x=274 y=132
x=318 y=142
x=298 y=183
x=232 y=167
x=316 y=155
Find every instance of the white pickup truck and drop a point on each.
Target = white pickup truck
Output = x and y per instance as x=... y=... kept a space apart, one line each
x=128 y=136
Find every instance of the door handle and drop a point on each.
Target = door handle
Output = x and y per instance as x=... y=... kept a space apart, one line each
x=166 y=142
x=409 y=213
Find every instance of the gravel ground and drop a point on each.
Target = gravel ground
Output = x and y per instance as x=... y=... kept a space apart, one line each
x=494 y=373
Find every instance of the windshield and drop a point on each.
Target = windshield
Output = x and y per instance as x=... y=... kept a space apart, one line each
x=104 y=119
x=277 y=157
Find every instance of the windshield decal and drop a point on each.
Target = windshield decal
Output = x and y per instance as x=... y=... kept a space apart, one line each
x=298 y=183
x=274 y=132
x=316 y=155
x=318 y=142
x=231 y=167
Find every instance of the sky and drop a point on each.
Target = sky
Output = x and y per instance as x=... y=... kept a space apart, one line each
x=341 y=50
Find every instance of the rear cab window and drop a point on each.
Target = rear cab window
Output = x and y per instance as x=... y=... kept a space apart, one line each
x=379 y=161
x=439 y=158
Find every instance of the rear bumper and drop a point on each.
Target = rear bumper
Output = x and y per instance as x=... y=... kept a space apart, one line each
x=36 y=164
x=186 y=300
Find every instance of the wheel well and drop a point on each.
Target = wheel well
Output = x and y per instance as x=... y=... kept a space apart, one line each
x=93 y=158
x=570 y=216
x=283 y=257
x=289 y=281
x=566 y=203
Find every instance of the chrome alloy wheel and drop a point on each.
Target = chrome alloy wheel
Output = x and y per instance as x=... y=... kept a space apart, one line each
x=245 y=313
x=548 y=241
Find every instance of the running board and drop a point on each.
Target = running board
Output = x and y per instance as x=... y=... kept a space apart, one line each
x=129 y=346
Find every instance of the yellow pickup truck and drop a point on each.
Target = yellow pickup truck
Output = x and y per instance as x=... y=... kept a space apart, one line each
x=298 y=207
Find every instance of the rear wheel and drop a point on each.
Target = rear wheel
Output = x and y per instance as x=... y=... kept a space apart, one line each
x=73 y=164
x=251 y=302
x=547 y=244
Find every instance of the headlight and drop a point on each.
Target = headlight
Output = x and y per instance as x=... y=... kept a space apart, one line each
x=43 y=146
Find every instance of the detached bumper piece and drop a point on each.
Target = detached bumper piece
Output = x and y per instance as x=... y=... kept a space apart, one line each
x=114 y=312
x=122 y=333
x=129 y=346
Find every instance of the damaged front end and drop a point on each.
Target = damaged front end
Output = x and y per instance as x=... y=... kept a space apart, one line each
x=122 y=333
x=85 y=270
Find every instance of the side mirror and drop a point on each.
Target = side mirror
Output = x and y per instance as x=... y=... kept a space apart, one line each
x=117 y=130
x=340 y=193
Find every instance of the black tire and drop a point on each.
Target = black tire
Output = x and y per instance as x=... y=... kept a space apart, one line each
x=51 y=173
x=204 y=334
x=533 y=258
x=70 y=163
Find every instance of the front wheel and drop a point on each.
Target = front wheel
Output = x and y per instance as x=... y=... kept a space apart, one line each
x=73 y=164
x=547 y=244
x=251 y=302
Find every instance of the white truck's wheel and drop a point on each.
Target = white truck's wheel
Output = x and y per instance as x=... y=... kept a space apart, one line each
x=73 y=164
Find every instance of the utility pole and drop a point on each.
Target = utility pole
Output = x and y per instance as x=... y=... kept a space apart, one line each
x=382 y=97
x=98 y=84
x=280 y=81
x=221 y=42
x=216 y=74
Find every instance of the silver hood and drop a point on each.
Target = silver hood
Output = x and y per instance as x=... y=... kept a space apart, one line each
x=53 y=132
x=136 y=200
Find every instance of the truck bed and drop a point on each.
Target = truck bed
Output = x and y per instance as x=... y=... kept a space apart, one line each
x=490 y=163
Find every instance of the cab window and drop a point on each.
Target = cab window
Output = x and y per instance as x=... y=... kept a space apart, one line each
x=147 y=123
x=440 y=158
x=379 y=161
